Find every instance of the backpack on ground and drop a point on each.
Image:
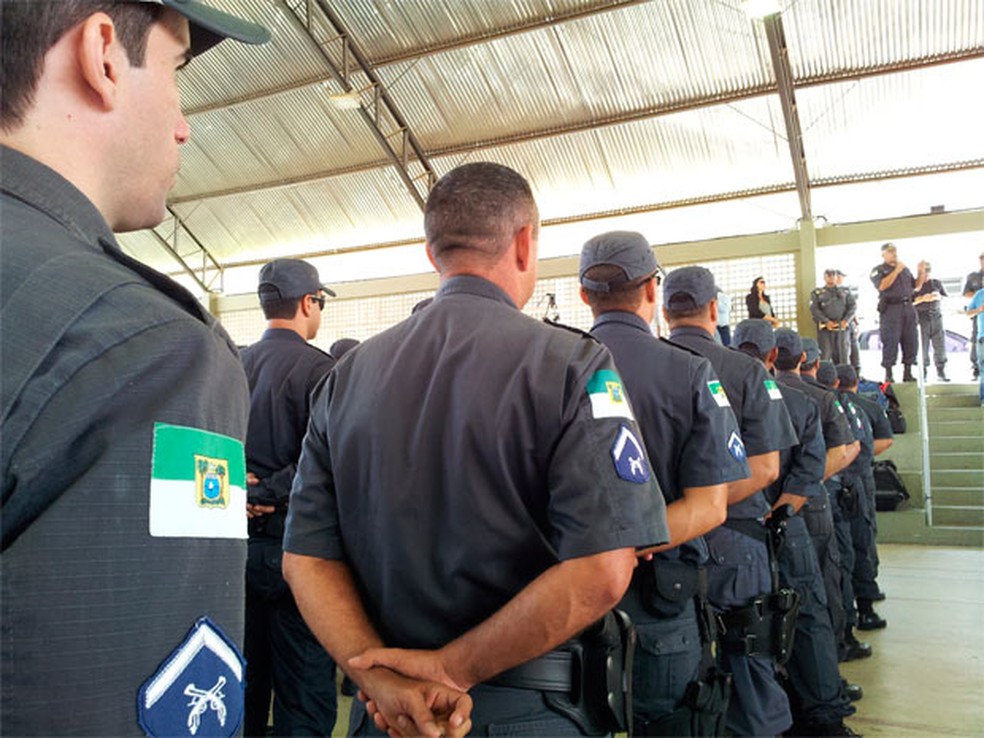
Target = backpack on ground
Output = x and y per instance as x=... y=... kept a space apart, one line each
x=890 y=490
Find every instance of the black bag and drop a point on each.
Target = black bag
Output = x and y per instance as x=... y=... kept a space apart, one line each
x=890 y=490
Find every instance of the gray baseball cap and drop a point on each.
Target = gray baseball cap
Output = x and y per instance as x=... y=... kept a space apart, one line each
x=282 y=279
x=788 y=342
x=757 y=332
x=627 y=250
x=812 y=349
x=688 y=288
x=210 y=25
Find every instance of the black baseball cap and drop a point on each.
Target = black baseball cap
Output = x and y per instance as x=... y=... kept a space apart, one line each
x=210 y=25
x=283 y=279
x=627 y=250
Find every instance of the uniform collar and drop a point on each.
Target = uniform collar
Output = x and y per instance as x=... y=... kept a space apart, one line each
x=622 y=318
x=691 y=330
x=282 y=334
x=41 y=187
x=467 y=284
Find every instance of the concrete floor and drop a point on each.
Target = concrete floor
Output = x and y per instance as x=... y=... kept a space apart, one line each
x=926 y=677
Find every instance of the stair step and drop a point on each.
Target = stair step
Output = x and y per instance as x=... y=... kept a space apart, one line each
x=945 y=402
x=971 y=478
x=956 y=460
x=951 y=388
x=958 y=497
x=961 y=516
x=936 y=414
x=956 y=444
x=969 y=427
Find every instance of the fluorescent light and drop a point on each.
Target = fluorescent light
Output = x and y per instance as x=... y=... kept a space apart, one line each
x=345 y=100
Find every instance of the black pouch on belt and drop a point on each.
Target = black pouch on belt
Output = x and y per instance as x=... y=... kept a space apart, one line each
x=666 y=586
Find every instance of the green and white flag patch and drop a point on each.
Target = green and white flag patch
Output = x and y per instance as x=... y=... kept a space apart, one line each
x=607 y=395
x=197 y=484
x=773 y=389
x=718 y=393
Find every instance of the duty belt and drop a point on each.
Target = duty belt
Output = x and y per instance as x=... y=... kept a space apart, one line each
x=552 y=672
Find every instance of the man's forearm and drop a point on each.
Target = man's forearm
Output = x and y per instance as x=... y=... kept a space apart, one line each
x=698 y=511
x=764 y=471
x=558 y=604
x=889 y=280
x=839 y=458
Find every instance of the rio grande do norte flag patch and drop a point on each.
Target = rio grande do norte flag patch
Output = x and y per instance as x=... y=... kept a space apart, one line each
x=607 y=395
x=197 y=484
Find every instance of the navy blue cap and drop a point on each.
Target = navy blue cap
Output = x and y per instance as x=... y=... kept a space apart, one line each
x=812 y=349
x=688 y=288
x=847 y=375
x=627 y=250
x=342 y=346
x=210 y=25
x=757 y=332
x=282 y=279
x=827 y=374
x=788 y=342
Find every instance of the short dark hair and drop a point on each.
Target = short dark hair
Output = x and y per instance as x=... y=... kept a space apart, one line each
x=674 y=314
x=808 y=366
x=752 y=350
x=30 y=29
x=786 y=361
x=283 y=309
x=625 y=296
x=478 y=208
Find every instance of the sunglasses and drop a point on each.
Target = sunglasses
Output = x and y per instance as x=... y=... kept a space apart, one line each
x=320 y=299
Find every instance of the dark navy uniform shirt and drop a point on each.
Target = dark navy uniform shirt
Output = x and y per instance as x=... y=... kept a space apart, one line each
x=111 y=554
x=881 y=428
x=455 y=457
x=861 y=426
x=836 y=429
x=755 y=399
x=929 y=287
x=283 y=369
x=689 y=428
x=801 y=466
x=900 y=290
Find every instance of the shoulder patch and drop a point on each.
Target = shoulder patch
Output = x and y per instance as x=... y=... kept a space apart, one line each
x=773 y=389
x=839 y=406
x=736 y=447
x=197 y=484
x=197 y=689
x=607 y=396
x=718 y=393
x=571 y=329
x=629 y=458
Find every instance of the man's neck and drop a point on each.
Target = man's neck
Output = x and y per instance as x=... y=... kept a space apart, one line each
x=287 y=325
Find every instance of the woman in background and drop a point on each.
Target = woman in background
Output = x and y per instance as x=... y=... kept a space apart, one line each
x=759 y=304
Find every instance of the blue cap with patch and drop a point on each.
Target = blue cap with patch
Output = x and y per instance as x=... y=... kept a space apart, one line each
x=812 y=349
x=757 y=332
x=788 y=342
x=827 y=373
x=688 y=288
x=627 y=250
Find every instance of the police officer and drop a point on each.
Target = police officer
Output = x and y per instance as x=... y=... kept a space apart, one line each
x=120 y=547
x=842 y=448
x=817 y=694
x=692 y=438
x=283 y=370
x=926 y=301
x=738 y=568
x=833 y=309
x=472 y=487
x=864 y=528
x=974 y=282
x=895 y=285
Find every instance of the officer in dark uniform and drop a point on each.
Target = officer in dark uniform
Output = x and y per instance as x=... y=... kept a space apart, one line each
x=817 y=694
x=124 y=403
x=974 y=282
x=692 y=438
x=842 y=448
x=738 y=568
x=833 y=309
x=473 y=486
x=926 y=301
x=895 y=285
x=864 y=528
x=283 y=370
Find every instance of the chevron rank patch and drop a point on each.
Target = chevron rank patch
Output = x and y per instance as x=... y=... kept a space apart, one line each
x=718 y=393
x=736 y=447
x=198 y=690
x=607 y=396
x=630 y=460
x=197 y=484
x=773 y=389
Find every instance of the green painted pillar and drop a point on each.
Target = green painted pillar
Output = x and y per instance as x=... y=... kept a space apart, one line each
x=806 y=277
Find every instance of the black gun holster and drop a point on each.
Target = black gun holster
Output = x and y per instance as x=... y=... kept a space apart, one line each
x=764 y=627
x=600 y=702
x=849 y=502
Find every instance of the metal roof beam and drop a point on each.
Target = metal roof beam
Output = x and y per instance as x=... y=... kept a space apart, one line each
x=779 y=52
x=344 y=58
x=209 y=265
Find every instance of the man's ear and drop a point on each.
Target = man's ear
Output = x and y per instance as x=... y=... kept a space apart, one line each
x=101 y=57
x=523 y=241
x=430 y=257
x=651 y=291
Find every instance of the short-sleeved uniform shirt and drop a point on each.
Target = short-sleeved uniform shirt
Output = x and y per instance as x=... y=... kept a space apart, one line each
x=801 y=466
x=111 y=553
x=836 y=429
x=458 y=455
x=901 y=289
x=929 y=287
x=861 y=427
x=755 y=399
x=690 y=431
x=832 y=303
x=283 y=369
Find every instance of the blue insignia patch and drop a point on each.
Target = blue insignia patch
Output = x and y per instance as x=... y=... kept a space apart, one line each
x=736 y=447
x=630 y=460
x=198 y=689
